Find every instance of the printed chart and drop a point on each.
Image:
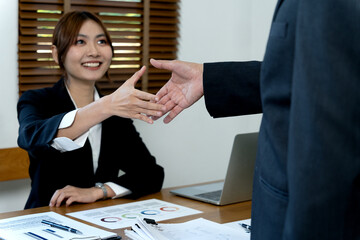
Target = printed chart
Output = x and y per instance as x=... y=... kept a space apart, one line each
x=124 y=215
x=31 y=227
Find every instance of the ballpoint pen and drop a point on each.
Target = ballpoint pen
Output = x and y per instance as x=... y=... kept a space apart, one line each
x=62 y=227
x=246 y=227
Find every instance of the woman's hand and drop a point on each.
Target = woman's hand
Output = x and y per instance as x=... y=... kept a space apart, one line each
x=71 y=194
x=129 y=102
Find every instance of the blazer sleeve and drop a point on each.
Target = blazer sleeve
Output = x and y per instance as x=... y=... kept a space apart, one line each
x=38 y=125
x=324 y=134
x=232 y=88
x=123 y=148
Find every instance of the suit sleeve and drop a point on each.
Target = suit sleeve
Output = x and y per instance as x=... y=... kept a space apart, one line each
x=324 y=135
x=232 y=88
x=37 y=128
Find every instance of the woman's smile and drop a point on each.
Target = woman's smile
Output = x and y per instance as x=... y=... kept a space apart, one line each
x=93 y=65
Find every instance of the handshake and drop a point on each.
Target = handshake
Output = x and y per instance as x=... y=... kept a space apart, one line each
x=184 y=88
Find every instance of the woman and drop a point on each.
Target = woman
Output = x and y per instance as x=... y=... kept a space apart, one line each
x=83 y=147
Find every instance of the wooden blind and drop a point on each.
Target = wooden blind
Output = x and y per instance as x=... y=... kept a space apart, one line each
x=139 y=29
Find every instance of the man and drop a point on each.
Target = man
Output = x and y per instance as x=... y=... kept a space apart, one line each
x=307 y=174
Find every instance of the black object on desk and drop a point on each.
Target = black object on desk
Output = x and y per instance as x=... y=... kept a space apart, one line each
x=62 y=227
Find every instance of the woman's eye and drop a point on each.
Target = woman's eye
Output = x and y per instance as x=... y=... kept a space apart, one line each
x=79 y=42
x=102 y=41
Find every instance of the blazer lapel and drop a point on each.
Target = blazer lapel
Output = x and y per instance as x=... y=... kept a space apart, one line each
x=65 y=104
x=277 y=8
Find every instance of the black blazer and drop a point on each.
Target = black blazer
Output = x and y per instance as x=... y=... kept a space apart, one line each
x=307 y=174
x=40 y=113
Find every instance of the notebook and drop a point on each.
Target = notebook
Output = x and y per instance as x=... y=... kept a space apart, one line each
x=237 y=186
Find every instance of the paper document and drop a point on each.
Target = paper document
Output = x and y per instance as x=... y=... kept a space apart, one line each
x=124 y=215
x=198 y=229
x=29 y=227
x=238 y=225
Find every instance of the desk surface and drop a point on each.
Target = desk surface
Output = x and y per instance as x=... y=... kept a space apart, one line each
x=220 y=214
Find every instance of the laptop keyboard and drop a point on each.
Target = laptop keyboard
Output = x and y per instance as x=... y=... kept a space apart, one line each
x=211 y=195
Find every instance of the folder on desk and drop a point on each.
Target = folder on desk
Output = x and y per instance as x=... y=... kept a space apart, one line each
x=30 y=227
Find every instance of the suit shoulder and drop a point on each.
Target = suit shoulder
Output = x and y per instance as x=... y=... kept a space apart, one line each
x=40 y=94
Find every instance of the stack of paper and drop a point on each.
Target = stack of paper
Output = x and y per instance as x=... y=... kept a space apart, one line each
x=30 y=227
x=198 y=229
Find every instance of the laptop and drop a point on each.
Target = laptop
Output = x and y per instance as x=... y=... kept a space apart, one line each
x=237 y=186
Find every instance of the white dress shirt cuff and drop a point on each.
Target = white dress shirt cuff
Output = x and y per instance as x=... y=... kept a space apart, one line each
x=119 y=190
x=64 y=144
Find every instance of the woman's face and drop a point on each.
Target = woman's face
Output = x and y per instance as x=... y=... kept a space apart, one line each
x=90 y=57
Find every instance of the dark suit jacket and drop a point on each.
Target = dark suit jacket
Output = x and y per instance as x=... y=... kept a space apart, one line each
x=307 y=175
x=40 y=113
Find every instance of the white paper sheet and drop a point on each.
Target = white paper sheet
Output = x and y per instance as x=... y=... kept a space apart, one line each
x=198 y=229
x=237 y=225
x=124 y=215
x=27 y=227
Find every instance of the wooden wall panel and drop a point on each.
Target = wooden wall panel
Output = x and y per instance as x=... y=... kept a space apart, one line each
x=14 y=164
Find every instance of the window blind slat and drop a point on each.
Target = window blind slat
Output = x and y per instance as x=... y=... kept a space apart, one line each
x=42 y=1
x=106 y=9
x=33 y=56
x=112 y=4
x=34 y=40
x=34 y=7
x=40 y=79
x=38 y=71
x=36 y=15
x=37 y=64
x=35 y=31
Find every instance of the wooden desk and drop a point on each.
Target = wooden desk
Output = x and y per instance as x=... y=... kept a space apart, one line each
x=222 y=214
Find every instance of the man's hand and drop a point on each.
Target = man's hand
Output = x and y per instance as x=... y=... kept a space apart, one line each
x=184 y=88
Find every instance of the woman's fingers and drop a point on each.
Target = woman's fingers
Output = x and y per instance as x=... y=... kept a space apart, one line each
x=57 y=198
x=144 y=118
x=136 y=76
x=147 y=104
x=71 y=194
x=145 y=96
x=54 y=198
x=60 y=195
x=70 y=200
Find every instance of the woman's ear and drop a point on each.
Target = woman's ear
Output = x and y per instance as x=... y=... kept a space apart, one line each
x=54 y=53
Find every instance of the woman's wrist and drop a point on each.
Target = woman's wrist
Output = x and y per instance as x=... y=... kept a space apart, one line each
x=98 y=193
x=110 y=192
x=105 y=106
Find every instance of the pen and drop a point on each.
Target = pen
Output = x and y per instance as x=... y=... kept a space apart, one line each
x=33 y=235
x=246 y=227
x=62 y=227
x=114 y=238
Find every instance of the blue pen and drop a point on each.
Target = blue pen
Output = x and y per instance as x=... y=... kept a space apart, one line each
x=33 y=235
x=62 y=227
x=246 y=227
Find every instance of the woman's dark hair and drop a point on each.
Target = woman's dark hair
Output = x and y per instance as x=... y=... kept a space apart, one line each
x=67 y=30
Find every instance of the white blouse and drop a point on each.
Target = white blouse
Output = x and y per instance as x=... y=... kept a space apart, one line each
x=64 y=144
